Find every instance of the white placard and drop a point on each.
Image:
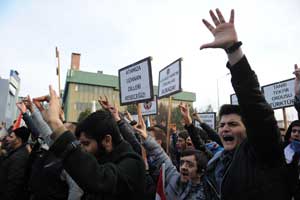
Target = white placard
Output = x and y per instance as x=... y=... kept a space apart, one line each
x=234 y=100
x=209 y=118
x=280 y=94
x=170 y=79
x=149 y=107
x=135 y=82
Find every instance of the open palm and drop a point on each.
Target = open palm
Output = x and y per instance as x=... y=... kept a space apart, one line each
x=224 y=32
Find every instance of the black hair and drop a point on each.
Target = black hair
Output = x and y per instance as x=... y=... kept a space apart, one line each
x=183 y=134
x=227 y=109
x=289 y=131
x=97 y=125
x=201 y=158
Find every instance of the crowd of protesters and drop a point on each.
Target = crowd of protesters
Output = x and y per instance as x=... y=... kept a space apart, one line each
x=108 y=155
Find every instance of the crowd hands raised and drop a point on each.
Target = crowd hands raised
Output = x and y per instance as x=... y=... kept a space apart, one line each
x=108 y=155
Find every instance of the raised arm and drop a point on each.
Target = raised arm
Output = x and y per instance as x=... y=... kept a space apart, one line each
x=262 y=130
x=156 y=152
x=126 y=129
x=211 y=133
x=297 y=90
x=195 y=133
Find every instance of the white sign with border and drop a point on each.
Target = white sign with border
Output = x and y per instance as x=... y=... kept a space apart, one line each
x=234 y=100
x=150 y=107
x=280 y=94
x=209 y=118
x=170 y=79
x=135 y=82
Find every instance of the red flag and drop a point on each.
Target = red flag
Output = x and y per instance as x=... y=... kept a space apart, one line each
x=160 y=188
x=18 y=122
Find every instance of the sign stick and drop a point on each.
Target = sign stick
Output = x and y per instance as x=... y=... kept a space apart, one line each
x=58 y=69
x=169 y=123
x=284 y=119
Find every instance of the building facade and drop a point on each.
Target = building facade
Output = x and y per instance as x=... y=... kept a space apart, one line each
x=9 y=91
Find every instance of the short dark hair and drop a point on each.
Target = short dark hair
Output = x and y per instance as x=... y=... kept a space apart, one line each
x=227 y=109
x=183 y=134
x=159 y=134
x=97 y=125
x=201 y=158
x=23 y=133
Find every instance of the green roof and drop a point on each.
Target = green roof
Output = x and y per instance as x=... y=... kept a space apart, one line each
x=105 y=80
x=90 y=78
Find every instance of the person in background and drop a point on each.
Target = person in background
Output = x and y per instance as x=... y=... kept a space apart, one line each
x=13 y=166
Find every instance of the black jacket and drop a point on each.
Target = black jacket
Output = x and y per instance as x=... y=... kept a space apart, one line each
x=119 y=175
x=257 y=169
x=12 y=175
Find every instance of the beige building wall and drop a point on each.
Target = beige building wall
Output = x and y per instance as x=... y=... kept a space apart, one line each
x=81 y=97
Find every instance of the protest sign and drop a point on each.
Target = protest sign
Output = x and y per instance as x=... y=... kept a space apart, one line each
x=280 y=94
x=209 y=118
x=149 y=107
x=233 y=99
x=170 y=79
x=135 y=82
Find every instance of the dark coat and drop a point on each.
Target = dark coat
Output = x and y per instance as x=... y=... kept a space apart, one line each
x=119 y=175
x=12 y=175
x=258 y=169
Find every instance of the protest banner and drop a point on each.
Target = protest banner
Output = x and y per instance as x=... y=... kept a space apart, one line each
x=135 y=82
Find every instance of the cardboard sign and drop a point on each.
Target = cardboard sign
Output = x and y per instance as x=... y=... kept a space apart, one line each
x=135 y=82
x=150 y=107
x=170 y=79
x=280 y=94
x=233 y=99
x=209 y=118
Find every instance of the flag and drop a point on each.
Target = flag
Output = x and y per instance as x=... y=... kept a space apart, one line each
x=160 y=188
x=18 y=122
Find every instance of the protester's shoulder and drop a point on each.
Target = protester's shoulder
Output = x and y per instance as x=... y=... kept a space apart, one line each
x=20 y=153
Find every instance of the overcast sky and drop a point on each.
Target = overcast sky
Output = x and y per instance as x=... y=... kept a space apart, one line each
x=111 y=34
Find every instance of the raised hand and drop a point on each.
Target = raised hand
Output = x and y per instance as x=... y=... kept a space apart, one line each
x=185 y=112
x=128 y=115
x=28 y=103
x=37 y=102
x=141 y=127
x=196 y=117
x=107 y=106
x=297 y=80
x=224 y=32
x=52 y=114
x=21 y=106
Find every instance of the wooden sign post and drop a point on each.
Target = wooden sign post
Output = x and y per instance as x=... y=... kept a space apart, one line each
x=169 y=121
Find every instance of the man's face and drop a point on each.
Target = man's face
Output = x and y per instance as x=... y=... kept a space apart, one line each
x=188 y=169
x=13 y=141
x=295 y=133
x=231 y=131
x=181 y=144
x=88 y=144
x=189 y=142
